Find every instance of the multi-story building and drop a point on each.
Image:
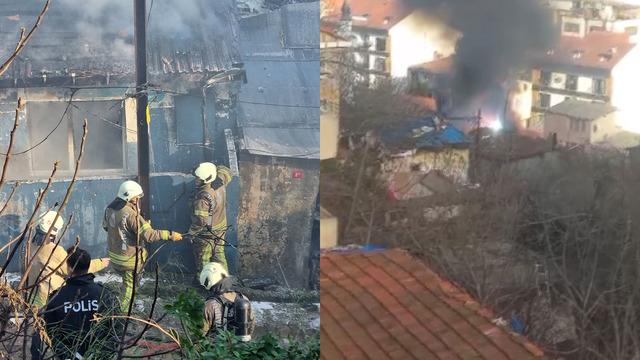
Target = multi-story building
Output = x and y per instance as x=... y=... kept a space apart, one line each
x=334 y=55
x=389 y=36
x=578 y=18
x=599 y=67
x=334 y=58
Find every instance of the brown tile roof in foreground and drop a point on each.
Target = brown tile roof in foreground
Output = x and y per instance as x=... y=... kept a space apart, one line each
x=389 y=305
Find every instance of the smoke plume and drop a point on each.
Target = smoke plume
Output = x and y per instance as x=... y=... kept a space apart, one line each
x=497 y=37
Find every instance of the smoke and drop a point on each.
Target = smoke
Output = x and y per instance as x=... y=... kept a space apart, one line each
x=497 y=37
x=106 y=27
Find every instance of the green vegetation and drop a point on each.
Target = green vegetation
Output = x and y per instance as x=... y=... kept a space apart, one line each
x=188 y=309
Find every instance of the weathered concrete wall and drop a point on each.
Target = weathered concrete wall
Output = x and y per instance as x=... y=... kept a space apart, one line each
x=176 y=147
x=276 y=218
x=453 y=163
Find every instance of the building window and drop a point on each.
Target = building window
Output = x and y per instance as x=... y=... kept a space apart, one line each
x=381 y=44
x=571 y=28
x=379 y=64
x=104 y=148
x=595 y=128
x=419 y=83
x=366 y=41
x=545 y=78
x=631 y=30
x=545 y=100
x=572 y=83
x=598 y=86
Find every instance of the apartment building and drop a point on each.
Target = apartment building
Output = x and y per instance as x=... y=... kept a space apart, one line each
x=599 y=67
x=390 y=36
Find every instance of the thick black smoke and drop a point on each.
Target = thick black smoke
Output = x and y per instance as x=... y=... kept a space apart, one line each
x=497 y=38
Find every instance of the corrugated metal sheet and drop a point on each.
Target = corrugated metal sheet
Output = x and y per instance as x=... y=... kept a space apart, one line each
x=300 y=24
x=105 y=45
x=282 y=142
x=281 y=98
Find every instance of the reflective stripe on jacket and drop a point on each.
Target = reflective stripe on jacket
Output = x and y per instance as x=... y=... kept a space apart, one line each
x=209 y=206
x=127 y=231
x=55 y=265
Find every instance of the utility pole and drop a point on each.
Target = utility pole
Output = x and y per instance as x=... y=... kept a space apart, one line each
x=139 y=13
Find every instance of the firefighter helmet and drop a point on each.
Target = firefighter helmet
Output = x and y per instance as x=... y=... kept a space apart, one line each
x=206 y=172
x=46 y=222
x=211 y=274
x=130 y=190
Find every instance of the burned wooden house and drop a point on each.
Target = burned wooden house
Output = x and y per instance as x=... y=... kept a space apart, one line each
x=80 y=65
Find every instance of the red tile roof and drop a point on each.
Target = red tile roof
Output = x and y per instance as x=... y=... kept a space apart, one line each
x=439 y=66
x=598 y=50
x=329 y=29
x=389 y=305
x=376 y=11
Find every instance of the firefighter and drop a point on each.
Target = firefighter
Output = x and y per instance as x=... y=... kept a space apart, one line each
x=225 y=308
x=49 y=259
x=48 y=270
x=209 y=216
x=127 y=233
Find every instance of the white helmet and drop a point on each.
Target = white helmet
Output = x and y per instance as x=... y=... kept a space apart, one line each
x=46 y=222
x=206 y=172
x=129 y=190
x=211 y=274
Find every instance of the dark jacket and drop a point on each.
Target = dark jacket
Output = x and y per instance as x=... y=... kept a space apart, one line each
x=69 y=318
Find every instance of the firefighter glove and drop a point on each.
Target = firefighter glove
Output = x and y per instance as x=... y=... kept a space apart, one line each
x=176 y=236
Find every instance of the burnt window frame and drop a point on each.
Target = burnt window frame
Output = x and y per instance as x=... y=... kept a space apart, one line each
x=73 y=126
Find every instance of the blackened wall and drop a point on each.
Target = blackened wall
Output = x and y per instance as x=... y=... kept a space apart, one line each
x=176 y=147
x=276 y=218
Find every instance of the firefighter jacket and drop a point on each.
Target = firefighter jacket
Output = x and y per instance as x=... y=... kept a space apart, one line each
x=127 y=232
x=56 y=267
x=69 y=319
x=209 y=206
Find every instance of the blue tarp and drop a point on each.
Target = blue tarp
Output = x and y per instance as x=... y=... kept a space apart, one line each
x=423 y=132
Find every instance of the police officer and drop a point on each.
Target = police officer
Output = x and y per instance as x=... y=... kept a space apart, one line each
x=209 y=216
x=70 y=312
x=225 y=308
x=48 y=270
x=127 y=233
